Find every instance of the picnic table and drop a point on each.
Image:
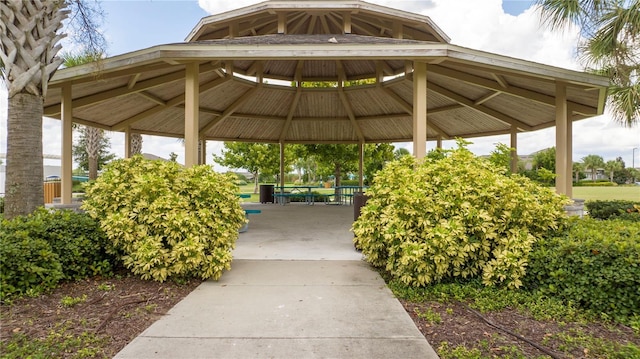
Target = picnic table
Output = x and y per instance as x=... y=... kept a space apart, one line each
x=346 y=193
x=284 y=194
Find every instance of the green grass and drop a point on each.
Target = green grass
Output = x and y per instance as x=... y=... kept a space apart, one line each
x=630 y=193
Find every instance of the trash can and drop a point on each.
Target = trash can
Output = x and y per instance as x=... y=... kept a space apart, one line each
x=359 y=200
x=266 y=193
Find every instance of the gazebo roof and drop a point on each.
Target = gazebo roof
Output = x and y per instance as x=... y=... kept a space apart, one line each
x=244 y=55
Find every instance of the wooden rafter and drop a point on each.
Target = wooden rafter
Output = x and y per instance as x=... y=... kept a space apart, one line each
x=292 y=109
x=347 y=106
x=168 y=104
x=511 y=90
x=231 y=109
x=480 y=108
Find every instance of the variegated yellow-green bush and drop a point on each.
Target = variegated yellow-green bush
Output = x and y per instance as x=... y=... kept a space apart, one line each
x=165 y=220
x=454 y=215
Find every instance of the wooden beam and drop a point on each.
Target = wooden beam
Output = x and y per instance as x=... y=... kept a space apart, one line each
x=480 y=108
x=325 y=25
x=399 y=100
x=513 y=164
x=561 y=138
x=168 y=104
x=486 y=97
x=133 y=80
x=346 y=18
x=117 y=92
x=191 y=115
x=67 y=145
x=420 y=86
x=153 y=98
x=292 y=109
x=230 y=110
x=282 y=23
x=437 y=129
x=511 y=90
x=347 y=106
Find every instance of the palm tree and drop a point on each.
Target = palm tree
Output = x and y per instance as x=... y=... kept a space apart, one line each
x=611 y=29
x=611 y=167
x=593 y=162
x=29 y=42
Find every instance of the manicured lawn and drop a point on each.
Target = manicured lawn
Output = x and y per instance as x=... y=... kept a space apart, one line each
x=630 y=193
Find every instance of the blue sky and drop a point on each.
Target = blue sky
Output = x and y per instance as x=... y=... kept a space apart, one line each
x=508 y=27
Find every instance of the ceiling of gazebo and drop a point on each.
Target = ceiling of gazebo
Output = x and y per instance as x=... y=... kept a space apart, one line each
x=470 y=93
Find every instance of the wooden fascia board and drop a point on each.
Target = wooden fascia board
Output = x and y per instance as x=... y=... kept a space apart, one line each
x=480 y=108
x=530 y=68
x=509 y=89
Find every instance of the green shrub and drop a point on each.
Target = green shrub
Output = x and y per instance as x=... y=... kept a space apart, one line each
x=75 y=238
x=595 y=264
x=27 y=265
x=165 y=220
x=350 y=182
x=457 y=216
x=614 y=209
x=1 y=204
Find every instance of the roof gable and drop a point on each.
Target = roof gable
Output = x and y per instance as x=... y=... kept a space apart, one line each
x=318 y=17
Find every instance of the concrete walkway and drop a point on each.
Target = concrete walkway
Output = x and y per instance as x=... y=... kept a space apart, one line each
x=297 y=289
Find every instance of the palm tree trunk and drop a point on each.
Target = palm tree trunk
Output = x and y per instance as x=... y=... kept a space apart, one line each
x=24 y=188
x=93 y=136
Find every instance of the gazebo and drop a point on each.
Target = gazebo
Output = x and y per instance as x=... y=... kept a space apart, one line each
x=241 y=75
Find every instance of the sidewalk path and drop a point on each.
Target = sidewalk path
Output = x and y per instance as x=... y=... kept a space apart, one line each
x=288 y=305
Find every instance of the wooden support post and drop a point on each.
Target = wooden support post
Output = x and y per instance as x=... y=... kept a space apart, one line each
x=439 y=142
x=361 y=164
x=514 y=152
x=281 y=164
x=127 y=142
x=67 y=145
x=561 y=138
x=419 y=109
x=569 y=163
x=203 y=151
x=191 y=113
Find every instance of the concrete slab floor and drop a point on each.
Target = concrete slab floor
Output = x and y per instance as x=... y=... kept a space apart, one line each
x=297 y=289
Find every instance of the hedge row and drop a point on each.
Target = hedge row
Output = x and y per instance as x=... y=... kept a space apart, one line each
x=614 y=209
x=595 y=264
x=39 y=250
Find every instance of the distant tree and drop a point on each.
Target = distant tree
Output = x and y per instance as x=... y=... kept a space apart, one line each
x=592 y=163
x=375 y=157
x=91 y=151
x=336 y=159
x=257 y=158
x=400 y=152
x=173 y=157
x=545 y=159
x=501 y=157
x=611 y=167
